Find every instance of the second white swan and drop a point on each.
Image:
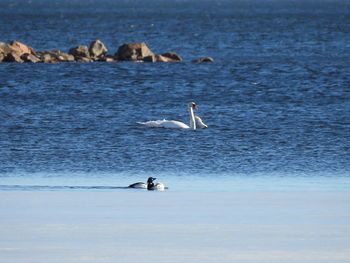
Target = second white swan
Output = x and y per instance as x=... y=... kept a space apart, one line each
x=178 y=124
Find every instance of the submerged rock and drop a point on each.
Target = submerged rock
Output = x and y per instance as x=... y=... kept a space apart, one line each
x=133 y=52
x=205 y=59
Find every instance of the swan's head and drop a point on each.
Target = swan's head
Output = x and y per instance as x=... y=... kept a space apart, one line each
x=192 y=105
x=150 y=180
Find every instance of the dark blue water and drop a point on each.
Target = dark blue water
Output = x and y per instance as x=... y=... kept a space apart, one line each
x=276 y=99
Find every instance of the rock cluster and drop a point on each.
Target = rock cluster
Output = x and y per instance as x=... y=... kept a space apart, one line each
x=135 y=52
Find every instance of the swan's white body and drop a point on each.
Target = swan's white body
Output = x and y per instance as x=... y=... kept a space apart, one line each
x=177 y=124
x=165 y=124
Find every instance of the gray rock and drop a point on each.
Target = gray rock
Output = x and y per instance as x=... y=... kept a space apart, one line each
x=30 y=58
x=5 y=48
x=13 y=57
x=54 y=56
x=83 y=59
x=133 y=52
x=107 y=58
x=160 y=58
x=97 y=49
x=80 y=52
x=172 y=56
x=20 y=48
x=64 y=57
x=150 y=59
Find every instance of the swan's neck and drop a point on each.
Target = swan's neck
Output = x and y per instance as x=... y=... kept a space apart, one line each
x=192 y=120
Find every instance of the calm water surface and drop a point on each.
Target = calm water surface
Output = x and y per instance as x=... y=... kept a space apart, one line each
x=276 y=99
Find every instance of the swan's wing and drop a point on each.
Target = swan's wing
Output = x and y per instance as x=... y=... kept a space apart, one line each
x=200 y=122
x=165 y=124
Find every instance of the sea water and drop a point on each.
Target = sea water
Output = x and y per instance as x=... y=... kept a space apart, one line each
x=276 y=99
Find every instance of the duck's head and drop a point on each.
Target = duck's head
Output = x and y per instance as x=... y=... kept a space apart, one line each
x=192 y=105
x=150 y=180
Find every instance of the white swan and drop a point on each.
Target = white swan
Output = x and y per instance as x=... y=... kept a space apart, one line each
x=177 y=124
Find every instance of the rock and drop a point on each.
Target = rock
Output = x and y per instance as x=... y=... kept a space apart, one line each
x=160 y=58
x=30 y=58
x=133 y=52
x=173 y=57
x=21 y=48
x=2 y=56
x=205 y=59
x=80 y=52
x=97 y=49
x=13 y=57
x=83 y=59
x=150 y=59
x=48 y=58
x=5 y=48
x=64 y=57
x=107 y=58
x=12 y=53
x=55 y=56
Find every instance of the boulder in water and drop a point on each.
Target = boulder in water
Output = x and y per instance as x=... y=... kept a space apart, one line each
x=83 y=59
x=5 y=48
x=26 y=57
x=20 y=48
x=205 y=59
x=55 y=56
x=2 y=55
x=160 y=58
x=150 y=59
x=14 y=51
x=172 y=57
x=13 y=57
x=80 y=52
x=133 y=52
x=97 y=49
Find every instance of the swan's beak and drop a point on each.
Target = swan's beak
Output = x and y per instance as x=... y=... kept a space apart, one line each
x=195 y=107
